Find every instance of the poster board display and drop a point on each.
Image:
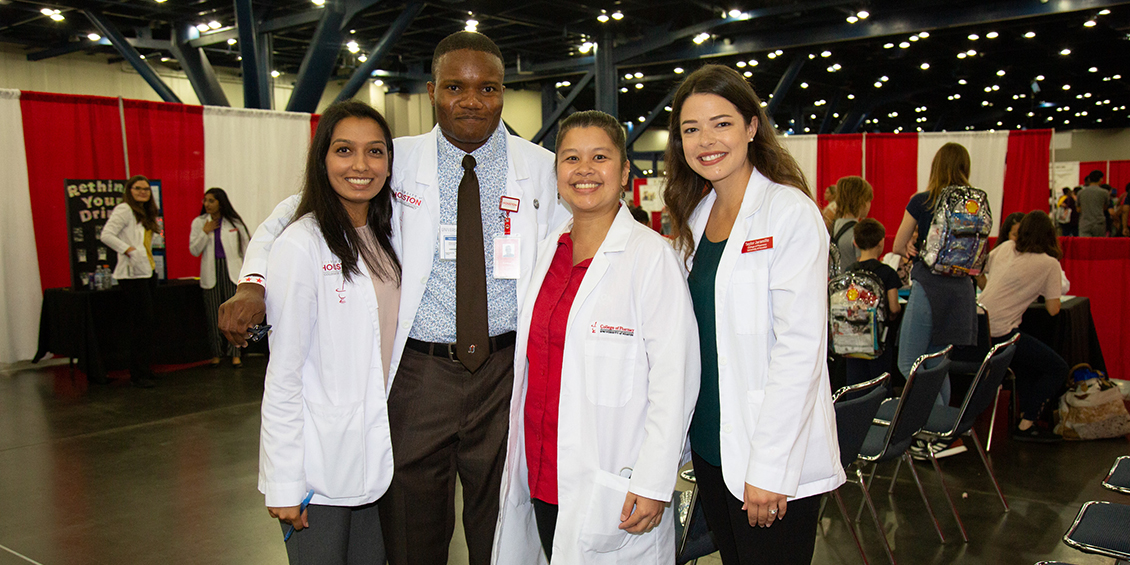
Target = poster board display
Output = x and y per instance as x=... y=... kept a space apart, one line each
x=89 y=203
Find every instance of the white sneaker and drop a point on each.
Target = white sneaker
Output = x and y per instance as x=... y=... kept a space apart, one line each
x=919 y=449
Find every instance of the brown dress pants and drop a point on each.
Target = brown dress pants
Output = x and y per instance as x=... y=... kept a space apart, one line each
x=445 y=420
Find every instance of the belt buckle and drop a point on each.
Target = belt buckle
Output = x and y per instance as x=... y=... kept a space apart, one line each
x=451 y=352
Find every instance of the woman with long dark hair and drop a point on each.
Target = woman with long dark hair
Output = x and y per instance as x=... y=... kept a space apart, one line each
x=129 y=231
x=763 y=436
x=1016 y=274
x=333 y=297
x=219 y=237
x=1009 y=228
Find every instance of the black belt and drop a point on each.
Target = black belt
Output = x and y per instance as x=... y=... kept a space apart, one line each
x=447 y=350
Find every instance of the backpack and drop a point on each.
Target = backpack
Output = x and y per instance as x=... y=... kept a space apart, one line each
x=857 y=315
x=835 y=266
x=957 y=243
x=1092 y=407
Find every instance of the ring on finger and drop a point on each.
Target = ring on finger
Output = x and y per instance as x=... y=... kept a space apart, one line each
x=772 y=511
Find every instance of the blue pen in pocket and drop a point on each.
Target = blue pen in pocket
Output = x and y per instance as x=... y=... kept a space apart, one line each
x=301 y=508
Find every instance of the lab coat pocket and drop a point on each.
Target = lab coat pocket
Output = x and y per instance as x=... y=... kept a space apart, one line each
x=601 y=531
x=609 y=364
x=337 y=443
x=749 y=293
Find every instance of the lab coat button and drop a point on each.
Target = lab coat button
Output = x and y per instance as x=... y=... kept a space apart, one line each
x=406 y=325
x=721 y=361
x=424 y=281
x=727 y=428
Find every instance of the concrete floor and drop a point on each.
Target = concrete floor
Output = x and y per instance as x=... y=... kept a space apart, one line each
x=115 y=475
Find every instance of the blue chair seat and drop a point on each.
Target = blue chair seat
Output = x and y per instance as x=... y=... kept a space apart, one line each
x=942 y=418
x=1100 y=528
x=1119 y=477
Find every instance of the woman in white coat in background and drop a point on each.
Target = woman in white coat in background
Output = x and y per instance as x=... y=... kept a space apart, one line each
x=599 y=414
x=763 y=439
x=219 y=237
x=333 y=297
x=129 y=230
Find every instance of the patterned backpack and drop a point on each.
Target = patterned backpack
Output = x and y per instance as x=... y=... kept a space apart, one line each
x=857 y=315
x=958 y=241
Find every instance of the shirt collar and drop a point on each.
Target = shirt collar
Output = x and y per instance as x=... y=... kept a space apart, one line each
x=494 y=148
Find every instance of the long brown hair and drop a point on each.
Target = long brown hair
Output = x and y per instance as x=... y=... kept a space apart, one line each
x=852 y=194
x=685 y=188
x=144 y=212
x=1036 y=234
x=950 y=168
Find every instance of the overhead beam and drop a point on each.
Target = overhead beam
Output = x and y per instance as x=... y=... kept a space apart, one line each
x=365 y=70
x=607 y=83
x=549 y=121
x=826 y=125
x=313 y=15
x=197 y=68
x=784 y=84
x=651 y=117
x=254 y=77
x=130 y=54
x=859 y=112
x=318 y=63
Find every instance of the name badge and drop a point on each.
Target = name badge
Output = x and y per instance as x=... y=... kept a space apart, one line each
x=508 y=204
x=507 y=256
x=447 y=242
x=758 y=244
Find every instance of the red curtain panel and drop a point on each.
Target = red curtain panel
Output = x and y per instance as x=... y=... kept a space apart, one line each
x=1119 y=175
x=166 y=142
x=1099 y=268
x=1026 y=172
x=65 y=137
x=837 y=155
x=892 y=170
x=1085 y=168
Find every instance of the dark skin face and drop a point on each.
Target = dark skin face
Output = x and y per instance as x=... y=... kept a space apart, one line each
x=467 y=97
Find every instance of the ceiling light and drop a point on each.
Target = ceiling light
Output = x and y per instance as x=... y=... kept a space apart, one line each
x=642 y=119
x=667 y=108
x=888 y=45
x=472 y=25
x=638 y=75
x=379 y=82
x=974 y=37
x=48 y=11
x=231 y=41
x=962 y=82
x=316 y=3
x=214 y=24
x=826 y=54
x=735 y=13
x=624 y=89
x=812 y=116
x=811 y=55
x=1089 y=23
x=1104 y=12
x=352 y=47
x=142 y=57
x=1039 y=77
x=585 y=47
x=884 y=78
x=639 y=85
x=863 y=14
x=747 y=74
x=772 y=55
x=1065 y=52
x=1117 y=77
x=753 y=62
x=992 y=35
x=924 y=66
x=837 y=66
x=971 y=53
x=913 y=38
x=94 y=37
x=957 y=97
x=678 y=70
x=779 y=52
x=852 y=19
x=984 y=102
x=1087 y=95
x=878 y=84
x=1093 y=70
x=804 y=85
x=740 y=64
x=617 y=15
x=362 y=57
x=275 y=74
x=988 y=89
x=202 y=27
x=996 y=87
x=1030 y=34
x=961 y=55
x=1031 y=114
x=165 y=59
x=628 y=76
x=701 y=38
x=904 y=44
x=1000 y=73
x=603 y=18
x=1067 y=87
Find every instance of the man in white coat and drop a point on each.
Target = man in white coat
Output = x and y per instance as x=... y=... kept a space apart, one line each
x=446 y=418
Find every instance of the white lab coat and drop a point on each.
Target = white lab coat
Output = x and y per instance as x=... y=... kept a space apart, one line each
x=778 y=428
x=629 y=382
x=122 y=231
x=324 y=418
x=530 y=177
x=203 y=245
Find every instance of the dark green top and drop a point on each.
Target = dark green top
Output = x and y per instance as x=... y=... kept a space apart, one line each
x=707 y=413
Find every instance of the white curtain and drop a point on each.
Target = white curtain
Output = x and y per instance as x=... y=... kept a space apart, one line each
x=987 y=152
x=803 y=149
x=22 y=297
x=257 y=156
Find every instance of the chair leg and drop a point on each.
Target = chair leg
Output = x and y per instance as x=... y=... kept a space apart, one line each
x=949 y=499
x=922 y=492
x=849 y=524
x=690 y=518
x=993 y=419
x=989 y=468
x=894 y=476
x=875 y=516
x=866 y=485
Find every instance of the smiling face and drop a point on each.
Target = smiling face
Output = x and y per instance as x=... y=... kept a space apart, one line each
x=211 y=205
x=467 y=96
x=716 y=139
x=357 y=164
x=141 y=191
x=591 y=172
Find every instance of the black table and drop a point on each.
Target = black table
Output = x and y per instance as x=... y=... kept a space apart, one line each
x=1071 y=333
x=90 y=327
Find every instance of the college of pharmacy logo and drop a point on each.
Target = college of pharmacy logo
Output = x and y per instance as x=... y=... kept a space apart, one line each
x=597 y=327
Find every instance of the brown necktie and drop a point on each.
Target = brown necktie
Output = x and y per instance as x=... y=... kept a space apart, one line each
x=472 y=334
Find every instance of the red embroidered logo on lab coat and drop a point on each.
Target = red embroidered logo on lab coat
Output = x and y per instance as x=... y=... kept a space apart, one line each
x=758 y=244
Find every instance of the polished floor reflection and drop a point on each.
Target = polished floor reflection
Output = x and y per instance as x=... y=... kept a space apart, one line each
x=115 y=475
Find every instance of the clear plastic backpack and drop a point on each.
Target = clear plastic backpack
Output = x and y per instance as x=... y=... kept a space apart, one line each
x=857 y=315
x=958 y=241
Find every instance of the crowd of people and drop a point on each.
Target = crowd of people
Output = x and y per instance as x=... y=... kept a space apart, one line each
x=465 y=305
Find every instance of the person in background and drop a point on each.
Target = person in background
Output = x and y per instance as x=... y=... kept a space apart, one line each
x=1124 y=210
x=763 y=436
x=1068 y=211
x=608 y=357
x=219 y=237
x=1009 y=228
x=829 y=211
x=1094 y=202
x=1118 y=212
x=129 y=231
x=941 y=310
x=853 y=202
x=869 y=236
x=1016 y=273
x=325 y=426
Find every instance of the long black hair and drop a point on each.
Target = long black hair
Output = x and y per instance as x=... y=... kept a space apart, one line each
x=227 y=211
x=320 y=199
x=144 y=212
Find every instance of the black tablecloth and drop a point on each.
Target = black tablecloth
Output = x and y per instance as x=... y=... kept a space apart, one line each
x=90 y=326
x=1071 y=333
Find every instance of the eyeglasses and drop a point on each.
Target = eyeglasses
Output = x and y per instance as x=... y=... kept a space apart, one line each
x=142 y=188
